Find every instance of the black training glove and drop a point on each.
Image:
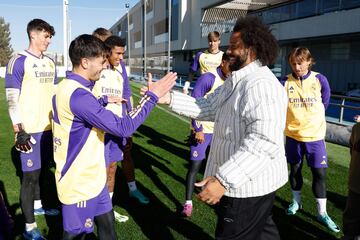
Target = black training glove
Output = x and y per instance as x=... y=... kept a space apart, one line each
x=23 y=141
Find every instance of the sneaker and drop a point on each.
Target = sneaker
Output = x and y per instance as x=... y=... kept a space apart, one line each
x=187 y=210
x=33 y=235
x=293 y=208
x=39 y=211
x=49 y=212
x=328 y=222
x=120 y=218
x=52 y=212
x=139 y=196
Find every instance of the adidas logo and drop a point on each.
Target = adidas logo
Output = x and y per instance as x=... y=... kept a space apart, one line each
x=323 y=162
x=35 y=66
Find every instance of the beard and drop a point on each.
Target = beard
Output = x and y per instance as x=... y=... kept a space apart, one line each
x=237 y=62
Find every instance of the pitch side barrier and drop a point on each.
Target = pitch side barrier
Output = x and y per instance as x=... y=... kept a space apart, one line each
x=339 y=125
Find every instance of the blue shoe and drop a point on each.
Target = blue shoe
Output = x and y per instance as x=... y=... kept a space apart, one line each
x=39 y=211
x=49 y=212
x=139 y=196
x=293 y=208
x=33 y=235
x=328 y=222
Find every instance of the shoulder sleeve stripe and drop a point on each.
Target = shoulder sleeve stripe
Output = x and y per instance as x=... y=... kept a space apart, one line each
x=12 y=63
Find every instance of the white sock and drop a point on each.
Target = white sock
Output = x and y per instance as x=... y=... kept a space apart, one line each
x=132 y=186
x=188 y=202
x=321 y=205
x=111 y=194
x=37 y=204
x=30 y=226
x=296 y=196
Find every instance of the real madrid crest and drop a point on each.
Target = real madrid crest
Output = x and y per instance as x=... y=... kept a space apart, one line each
x=29 y=163
x=88 y=223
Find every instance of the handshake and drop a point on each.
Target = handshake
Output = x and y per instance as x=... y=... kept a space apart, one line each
x=160 y=88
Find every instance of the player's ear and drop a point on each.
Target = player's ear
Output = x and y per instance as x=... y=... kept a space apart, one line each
x=84 y=62
x=32 y=34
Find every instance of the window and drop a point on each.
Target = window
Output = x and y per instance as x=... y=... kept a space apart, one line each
x=330 y=5
x=340 y=51
x=350 y=3
x=161 y=27
x=149 y=5
x=137 y=36
x=306 y=8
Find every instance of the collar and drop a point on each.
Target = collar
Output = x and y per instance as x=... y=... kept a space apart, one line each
x=303 y=77
x=241 y=73
x=86 y=83
x=38 y=57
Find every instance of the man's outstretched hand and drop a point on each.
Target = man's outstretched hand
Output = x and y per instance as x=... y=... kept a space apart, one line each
x=160 y=88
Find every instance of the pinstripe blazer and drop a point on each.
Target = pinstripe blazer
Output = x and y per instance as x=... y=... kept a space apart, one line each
x=247 y=151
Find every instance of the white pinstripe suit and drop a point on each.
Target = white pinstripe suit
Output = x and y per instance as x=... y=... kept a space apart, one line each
x=247 y=151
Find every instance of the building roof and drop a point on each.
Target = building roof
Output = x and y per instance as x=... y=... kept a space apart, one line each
x=230 y=10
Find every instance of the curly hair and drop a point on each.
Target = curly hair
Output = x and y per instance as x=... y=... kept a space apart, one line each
x=256 y=35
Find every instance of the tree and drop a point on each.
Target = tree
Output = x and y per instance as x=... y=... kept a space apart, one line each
x=5 y=47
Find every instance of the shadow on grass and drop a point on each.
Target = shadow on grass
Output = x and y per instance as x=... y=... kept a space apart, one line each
x=295 y=228
x=163 y=141
x=337 y=199
x=156 y=220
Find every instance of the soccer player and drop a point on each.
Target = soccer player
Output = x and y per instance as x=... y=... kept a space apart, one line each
x=29 y=82
x=79 y=126
x=102 y=33
x=309 y=96
x=202 y=131
x=117 y=54
x=206 y=61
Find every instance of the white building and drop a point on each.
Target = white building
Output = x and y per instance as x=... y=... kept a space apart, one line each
x=330 y=29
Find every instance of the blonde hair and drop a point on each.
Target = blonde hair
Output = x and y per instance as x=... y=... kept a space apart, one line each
x=102 y=33
x=301 y=54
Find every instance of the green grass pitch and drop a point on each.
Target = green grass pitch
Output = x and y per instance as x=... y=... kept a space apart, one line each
x=160 y=154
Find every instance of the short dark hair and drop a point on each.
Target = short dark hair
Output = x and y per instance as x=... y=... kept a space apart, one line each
x=257 y=35
x=86 y=46
x=115 y=41
x=225 y=57
x=39 y=25
x=213 y=35
x=102 y=33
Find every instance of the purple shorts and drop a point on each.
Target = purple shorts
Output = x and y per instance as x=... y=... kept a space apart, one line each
x=41 y=151
x=198 y=150
x=79 y=217
x=315 y=152
x=114 y=147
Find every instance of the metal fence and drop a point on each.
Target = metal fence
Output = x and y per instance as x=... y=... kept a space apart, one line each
x=344 y=104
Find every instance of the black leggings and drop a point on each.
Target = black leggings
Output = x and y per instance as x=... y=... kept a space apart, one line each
x=318 y=183
x=191 y=178
x=105 y=227
x=30 y=182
